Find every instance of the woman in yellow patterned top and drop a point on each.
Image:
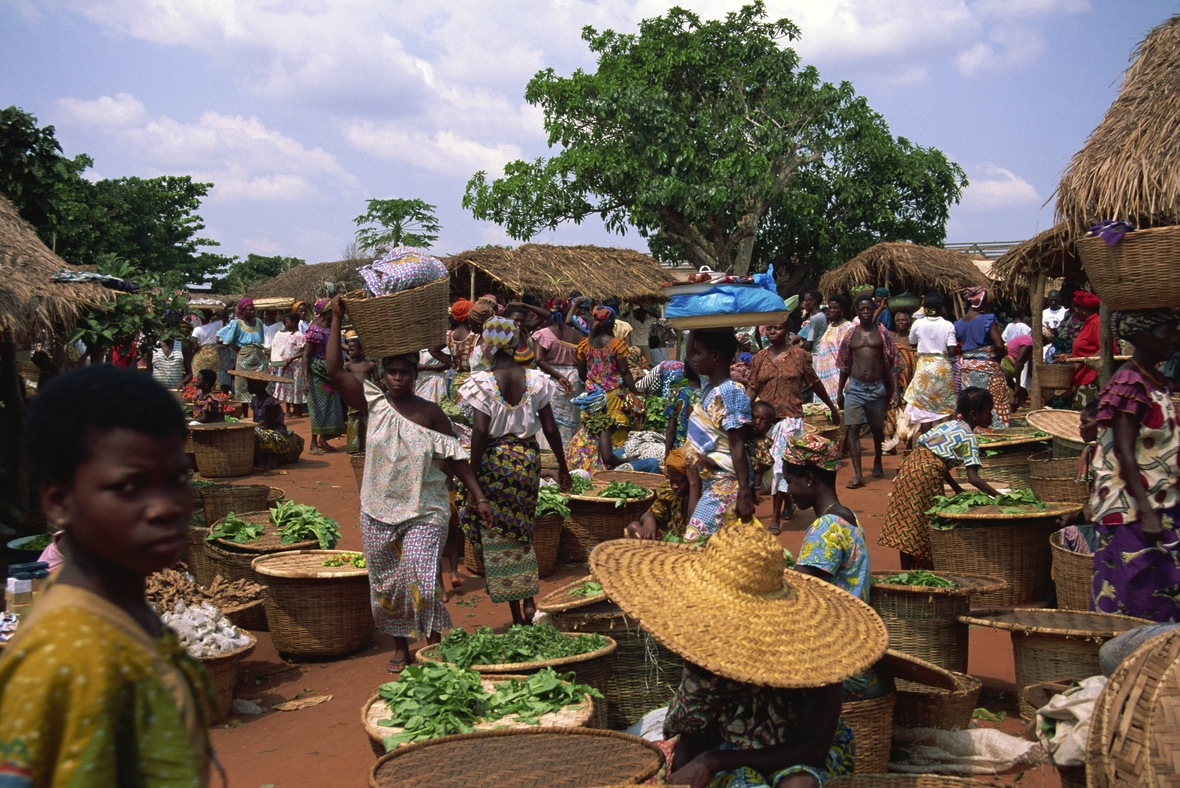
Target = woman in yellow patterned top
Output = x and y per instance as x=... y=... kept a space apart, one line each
x=667 y=517
x=94 y=689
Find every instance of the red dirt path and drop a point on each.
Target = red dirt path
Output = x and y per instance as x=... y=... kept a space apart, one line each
x=325 y=746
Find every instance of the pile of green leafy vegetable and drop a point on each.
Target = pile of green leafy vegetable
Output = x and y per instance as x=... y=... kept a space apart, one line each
x=437 y=699
x=653 y=418
x=920 y=577
x=38 y=542
x=297 y=522
x=583 y=590
x=580 y=485
x=519 y=644
x=236 y=530
x=550 y=500
x=623 y=491
x=965 y=501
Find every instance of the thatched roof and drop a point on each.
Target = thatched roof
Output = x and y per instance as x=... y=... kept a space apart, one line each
x=1050 y=250
x=311 y=281
x=548 y=271
x=904 y=266
x=30 y=304
x=1127 y=169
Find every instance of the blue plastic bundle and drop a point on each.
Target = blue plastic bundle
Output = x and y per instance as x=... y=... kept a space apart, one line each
x=762 y=296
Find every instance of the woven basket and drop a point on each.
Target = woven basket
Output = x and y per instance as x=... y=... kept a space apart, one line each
x=315 y=610
x=251 y=615
x=1054 y=376
x=193 y=553
x=826 y=429
x=1017 y=554
x=472 y=561
x=902 y=781
x=594 y=520
x=218 y=500
x=546 y=539
x=930 y=697
x=1065 y=448
x=1048 y=644
x=1073 y=573
x=357 y=461
x=224 y=450
x=1139 y=272
x=1072 y=776
x=275 y=496
x=644 y=675
x=592 y=668
x=573 y=716
x=223 y=675
x=651 y=481
x=1009 y=468
x=872 y=721
x=1052 y=478
x=404 y=322
x=514 y=758
x=924 y=622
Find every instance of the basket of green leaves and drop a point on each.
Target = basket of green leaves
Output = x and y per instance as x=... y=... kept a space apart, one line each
x=603 y=512
x=1004 y=454
x=527 y=650
x=439 y=699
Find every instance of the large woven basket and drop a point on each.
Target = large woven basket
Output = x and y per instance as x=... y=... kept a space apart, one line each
x=275 y=496
x=595 y=520
x=1054 y=376
x=315 y=610
x=651 y=481
x=1073 y=573
x=930 y=697
x=404 y=322
x=1010 y=467
x=357 y=461
x=1134 y=730
x=592 y=668
x=224 y=450
x=1052 y=478
x=193 y=553
x=546 y=539
x=1048 y=644
x=223 y=675
x=644 y=674
x=924 y=622
x=251 y=615
x=218 y=500
x=902 y=781
x=872 y=721
x=514 y=758
x=1139 y=272
x=575 y=715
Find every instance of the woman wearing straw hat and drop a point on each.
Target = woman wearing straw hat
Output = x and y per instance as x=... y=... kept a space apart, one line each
x=765 y=653
x=273 y=442
x=244 y=337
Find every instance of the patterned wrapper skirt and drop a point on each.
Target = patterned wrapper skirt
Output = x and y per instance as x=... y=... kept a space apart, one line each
x=251 y=358
x=403 y=576
x=567 y=415
x=207 y=358
x=354 y=437
x=293 y=393
x=509 y=476
x=226 y=360
x=906 y=527
x=718 y=493
x=327 y=409
x=287 y=446
x=983 y=371
x=1137 y=576
x=930 y=396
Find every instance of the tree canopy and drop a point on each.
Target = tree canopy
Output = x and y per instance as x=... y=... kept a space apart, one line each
x=713 y=141
x=396 y=222
x=244 y=274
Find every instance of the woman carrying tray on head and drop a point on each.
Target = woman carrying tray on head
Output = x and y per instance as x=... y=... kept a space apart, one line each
x=327 y=410
x=511 y=405
x=1135 y=499
x=610 y=395
x=744 y=717
x=923 y=472
x=243 y=336
x=983 y=349
x=405 y=505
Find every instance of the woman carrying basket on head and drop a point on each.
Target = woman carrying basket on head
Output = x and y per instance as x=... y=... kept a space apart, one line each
x=327 y=410
x=983 y=349
x=557 y=345
x=244 y=337
x=405 y=505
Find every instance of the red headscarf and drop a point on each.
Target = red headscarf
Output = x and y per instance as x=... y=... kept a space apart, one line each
x=1086 y=300
x=460 y=309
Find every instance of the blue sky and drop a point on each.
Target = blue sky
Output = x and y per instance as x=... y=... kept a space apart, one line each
x=300 y=110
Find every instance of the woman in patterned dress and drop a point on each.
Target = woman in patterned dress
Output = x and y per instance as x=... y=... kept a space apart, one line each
x=603 y=366
x=290 y=365
x=930 y=397
x=327 y=409
x=828 y=346
x=243 y=336
x=405 y=505
x=982 y=349
x=557 y=345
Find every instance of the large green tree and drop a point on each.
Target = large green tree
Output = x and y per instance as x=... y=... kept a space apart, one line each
x=697 y=132
x=244 y=274
x=396 y=222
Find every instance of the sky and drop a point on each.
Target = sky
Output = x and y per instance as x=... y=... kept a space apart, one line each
x=298 y=111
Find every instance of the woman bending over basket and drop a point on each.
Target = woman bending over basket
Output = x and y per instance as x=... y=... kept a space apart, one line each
x=667 y=518
x=510 y=407
x=405 y=505
x=923 y=472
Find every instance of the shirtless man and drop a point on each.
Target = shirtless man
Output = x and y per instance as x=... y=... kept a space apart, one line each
x=869 y=358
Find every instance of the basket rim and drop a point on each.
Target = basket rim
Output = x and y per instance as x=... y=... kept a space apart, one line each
x=595 y=499
x=240 y=651
x=560 y=607
x=513 y=667
x=361 y=294
x=222 y=425
x=982 y=584
x=1056 y=509
x=988 y=617
x=1003 y=444
x=225 y=611
x=324 y=573
x=249 y=547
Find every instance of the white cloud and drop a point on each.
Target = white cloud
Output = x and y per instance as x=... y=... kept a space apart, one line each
x=121 y=110
x=999 y=189
x=446 y=151
x=1009 y=47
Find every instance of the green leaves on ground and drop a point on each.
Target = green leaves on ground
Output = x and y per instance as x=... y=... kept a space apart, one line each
x=550 y=500
x=589 y=588
x=519 y=644
x=984 y=714
x=234 y=529
x=920 y=577
x=622 y=491
x=438 y=699
x=297 y=522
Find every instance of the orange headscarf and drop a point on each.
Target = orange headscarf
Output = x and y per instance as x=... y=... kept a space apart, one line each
x=460 y=309
x=676 y=462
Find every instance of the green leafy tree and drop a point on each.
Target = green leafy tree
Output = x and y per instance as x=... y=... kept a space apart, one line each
x=244 y=274
x=691 y=132
x=389 y=223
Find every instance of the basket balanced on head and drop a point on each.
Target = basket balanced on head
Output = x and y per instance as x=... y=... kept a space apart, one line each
x=405 y=321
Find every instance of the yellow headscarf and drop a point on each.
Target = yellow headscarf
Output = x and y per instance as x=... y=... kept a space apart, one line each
x=676 y=462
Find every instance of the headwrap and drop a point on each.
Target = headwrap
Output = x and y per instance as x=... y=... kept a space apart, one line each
x=1086 y=300
x=976 y=296
x=675 y=461
x=295 y=306
x=881 y=292
x=603 y=314
x=557 y=307
x=321 y=304
x=739 y=369
x=242 y=304
x=499 y=333
x=480 y=312
x=461 y=309
x=1128 y=324
x=812 y=450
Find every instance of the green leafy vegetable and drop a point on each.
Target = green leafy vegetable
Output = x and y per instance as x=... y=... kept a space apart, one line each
x=236 y=530
x=654 y=414
x=297 y=522
x=589 y=588
x=519 y=644
x=38 y=542
x=984 y=714
x=965 y=501
x=790 y=559
x=544 y=692
x=622 y=491
x=673 y=538
x=352 y=559
x=550 y=500
x=920 y=577
x=580 y=485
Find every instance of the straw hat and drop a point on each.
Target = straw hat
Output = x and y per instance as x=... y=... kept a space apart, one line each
x=733 y=610
x=263 y=376
x=1058 y=423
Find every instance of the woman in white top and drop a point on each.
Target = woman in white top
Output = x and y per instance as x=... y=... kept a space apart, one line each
x=930 y=397
x=205 y=338
x=510 y=405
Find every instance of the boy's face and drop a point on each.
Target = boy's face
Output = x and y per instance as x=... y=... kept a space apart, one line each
x=355 y=352
x=762 y=421
x=130 y=501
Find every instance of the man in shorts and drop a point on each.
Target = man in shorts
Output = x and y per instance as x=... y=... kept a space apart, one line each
x=868 y=385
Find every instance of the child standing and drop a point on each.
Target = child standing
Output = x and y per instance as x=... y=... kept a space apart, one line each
x=758 y=446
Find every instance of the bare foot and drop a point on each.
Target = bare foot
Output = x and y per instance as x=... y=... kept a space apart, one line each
x=528 y=610
x=314 y=450
x=456 y=580
x=329 y=447
x=878 y=471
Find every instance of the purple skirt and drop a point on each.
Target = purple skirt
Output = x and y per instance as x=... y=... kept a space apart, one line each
x=1137 y=576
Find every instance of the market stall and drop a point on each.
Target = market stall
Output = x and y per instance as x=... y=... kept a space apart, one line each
x=899 y=266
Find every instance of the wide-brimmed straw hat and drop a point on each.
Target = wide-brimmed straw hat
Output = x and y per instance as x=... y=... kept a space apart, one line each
x=266 y=377
x=732 y=609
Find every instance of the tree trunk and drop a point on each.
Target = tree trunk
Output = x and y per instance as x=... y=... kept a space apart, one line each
x=1038 y=352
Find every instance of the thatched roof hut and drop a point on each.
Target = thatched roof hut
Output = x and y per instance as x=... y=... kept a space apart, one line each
x=1050 y=251
x=311 y=281
x=1127 y=169
x=903 y=266
x=549 y=271
x=30 y=304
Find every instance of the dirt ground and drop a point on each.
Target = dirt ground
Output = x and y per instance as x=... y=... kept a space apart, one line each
x=325 y=745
